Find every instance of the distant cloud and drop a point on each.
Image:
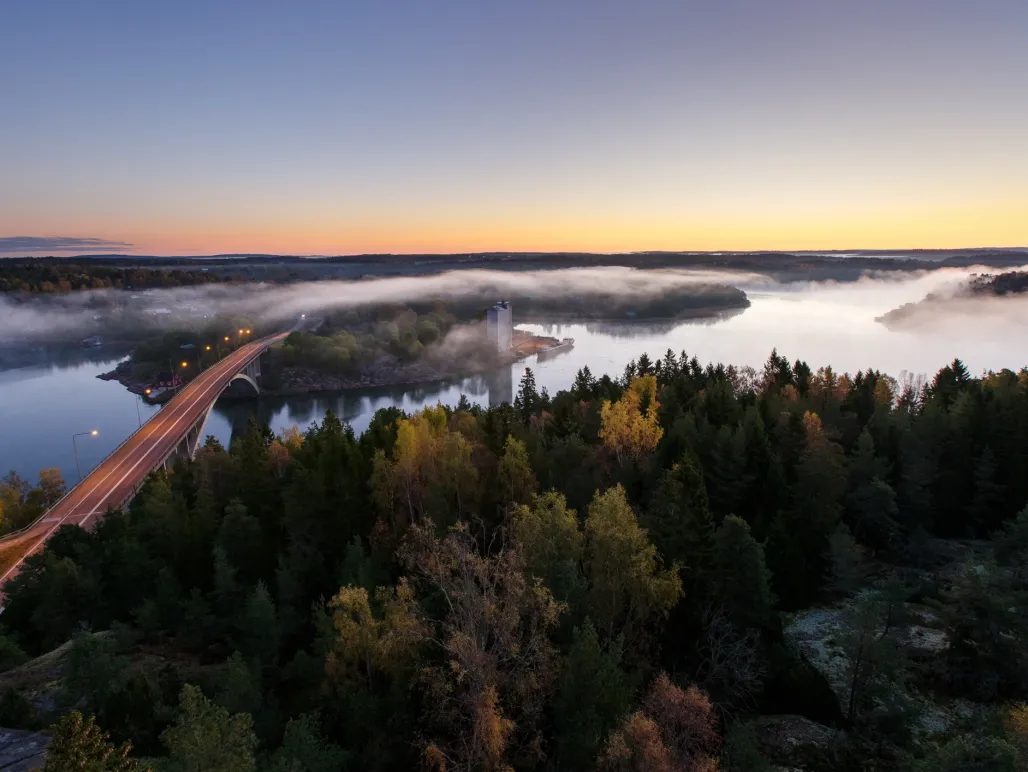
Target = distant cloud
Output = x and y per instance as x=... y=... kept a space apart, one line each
x=16 y=244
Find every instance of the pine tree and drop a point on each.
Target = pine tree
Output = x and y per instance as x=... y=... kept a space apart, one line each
x=871 y=507
x=742 y=582
x=679 y=521
x=592 y=695
x=242 y=539
x=206 y=737
x=584 y=386
x=305 y=749
x=78 y=745
x=987 y=505
x=259 y=632
x=526 y=403
x=726 y=471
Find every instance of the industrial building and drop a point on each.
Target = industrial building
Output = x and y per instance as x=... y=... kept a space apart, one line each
x=500 y=326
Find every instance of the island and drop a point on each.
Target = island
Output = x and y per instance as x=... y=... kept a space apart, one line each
x=422 y=341
x=980 y=293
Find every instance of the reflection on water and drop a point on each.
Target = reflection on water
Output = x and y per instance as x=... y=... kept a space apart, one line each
x=42 y=406
x=20 y=357
x=630 y=329
x=358 y=406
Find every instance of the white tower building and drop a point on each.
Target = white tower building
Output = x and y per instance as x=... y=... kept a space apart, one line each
x=499 y=325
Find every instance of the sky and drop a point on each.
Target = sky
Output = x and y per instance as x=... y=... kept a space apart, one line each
x=185 y=127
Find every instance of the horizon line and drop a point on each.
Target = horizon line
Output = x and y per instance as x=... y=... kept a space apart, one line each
x=512 y=253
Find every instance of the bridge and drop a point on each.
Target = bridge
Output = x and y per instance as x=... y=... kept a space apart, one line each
x=176 y=430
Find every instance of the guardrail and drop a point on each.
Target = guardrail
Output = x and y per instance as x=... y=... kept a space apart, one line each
x=13 y=534
x=25 y=529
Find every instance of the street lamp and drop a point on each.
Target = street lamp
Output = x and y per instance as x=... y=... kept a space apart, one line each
x=74 y=447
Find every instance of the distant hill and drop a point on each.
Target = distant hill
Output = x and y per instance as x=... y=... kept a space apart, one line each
x=783 y=266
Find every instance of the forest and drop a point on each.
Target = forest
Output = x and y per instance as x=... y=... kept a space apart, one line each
x=706 y=299
x=611 y=577
x=355 y=337
x=42 y=276
x=1009 y=283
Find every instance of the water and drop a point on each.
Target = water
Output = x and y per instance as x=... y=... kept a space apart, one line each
x=41 y=407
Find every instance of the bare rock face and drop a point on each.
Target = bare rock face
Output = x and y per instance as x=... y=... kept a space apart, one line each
x=22 y=751
x=794 y=742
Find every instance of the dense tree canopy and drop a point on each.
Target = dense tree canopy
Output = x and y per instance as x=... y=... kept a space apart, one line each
x=590 y=579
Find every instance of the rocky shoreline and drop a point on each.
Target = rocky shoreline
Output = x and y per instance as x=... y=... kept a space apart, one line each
x=123 y=374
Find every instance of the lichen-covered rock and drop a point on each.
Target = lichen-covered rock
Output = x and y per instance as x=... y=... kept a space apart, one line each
x=794 y=742
x=820 y=634
x=22 y=751
x=816 y=634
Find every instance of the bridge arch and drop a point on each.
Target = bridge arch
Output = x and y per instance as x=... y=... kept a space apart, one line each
x=242 y=384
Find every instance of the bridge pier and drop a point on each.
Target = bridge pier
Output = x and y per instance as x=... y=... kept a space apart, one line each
x=246 y=382
x=190 y=442
x=177 y=431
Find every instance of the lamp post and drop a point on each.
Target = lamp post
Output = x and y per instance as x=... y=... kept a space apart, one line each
x=75 y=448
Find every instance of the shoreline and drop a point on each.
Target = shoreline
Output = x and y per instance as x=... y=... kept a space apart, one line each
x=300 y=380
x=705 y=312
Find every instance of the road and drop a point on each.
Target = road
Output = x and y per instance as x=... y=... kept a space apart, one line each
x=118 y=477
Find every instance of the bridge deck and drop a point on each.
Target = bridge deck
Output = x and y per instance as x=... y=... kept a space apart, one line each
x=118 y=477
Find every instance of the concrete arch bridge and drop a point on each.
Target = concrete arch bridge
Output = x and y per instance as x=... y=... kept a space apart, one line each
x=175 y=430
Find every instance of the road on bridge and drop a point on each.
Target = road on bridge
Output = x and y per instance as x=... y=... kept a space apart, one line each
x=118 y=477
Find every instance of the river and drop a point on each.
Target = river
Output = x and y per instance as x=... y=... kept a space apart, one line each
x=41 y=407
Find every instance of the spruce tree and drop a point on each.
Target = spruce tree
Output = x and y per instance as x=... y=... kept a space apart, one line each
x=742 y=582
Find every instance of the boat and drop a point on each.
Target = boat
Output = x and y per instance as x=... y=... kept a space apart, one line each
x=565 y=344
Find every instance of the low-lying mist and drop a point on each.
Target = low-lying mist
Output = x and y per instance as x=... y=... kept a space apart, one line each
x=84 y=313
x=77 y=315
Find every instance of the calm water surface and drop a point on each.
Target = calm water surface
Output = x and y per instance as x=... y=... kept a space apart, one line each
x=41 y=407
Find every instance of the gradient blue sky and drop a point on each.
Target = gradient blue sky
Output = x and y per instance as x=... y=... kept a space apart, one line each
x=342 y=127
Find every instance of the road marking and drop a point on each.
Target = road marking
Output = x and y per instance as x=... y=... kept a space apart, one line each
x=116 y=465
x=186 y=405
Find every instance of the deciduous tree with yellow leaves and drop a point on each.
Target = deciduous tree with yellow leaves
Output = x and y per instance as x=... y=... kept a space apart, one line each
x=629 y=426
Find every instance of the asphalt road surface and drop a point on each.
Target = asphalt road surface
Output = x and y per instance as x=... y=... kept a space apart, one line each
x=117 y=478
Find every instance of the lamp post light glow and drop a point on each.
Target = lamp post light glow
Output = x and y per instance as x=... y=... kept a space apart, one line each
x=74 y=447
